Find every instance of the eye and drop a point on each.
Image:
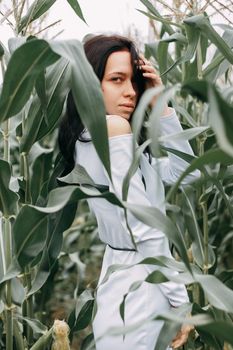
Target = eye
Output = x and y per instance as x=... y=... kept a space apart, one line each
x=116 y=79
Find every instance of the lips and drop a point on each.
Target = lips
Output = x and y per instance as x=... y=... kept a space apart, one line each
x=127 y=105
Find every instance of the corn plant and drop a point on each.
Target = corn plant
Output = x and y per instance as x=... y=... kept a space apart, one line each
x=35 y=211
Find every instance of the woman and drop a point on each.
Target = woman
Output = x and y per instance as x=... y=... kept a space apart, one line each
x=124 y=76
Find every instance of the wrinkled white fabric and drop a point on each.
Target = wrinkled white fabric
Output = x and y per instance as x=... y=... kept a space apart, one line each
x=149 y=300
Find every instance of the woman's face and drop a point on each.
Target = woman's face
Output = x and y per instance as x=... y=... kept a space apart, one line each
x=119 y=90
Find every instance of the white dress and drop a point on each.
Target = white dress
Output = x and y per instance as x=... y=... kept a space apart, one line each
x=150 y=299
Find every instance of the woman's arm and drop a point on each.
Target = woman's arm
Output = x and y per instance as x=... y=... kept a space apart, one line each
x=172 y=166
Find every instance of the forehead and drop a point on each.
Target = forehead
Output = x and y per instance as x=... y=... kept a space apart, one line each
x=119 y=61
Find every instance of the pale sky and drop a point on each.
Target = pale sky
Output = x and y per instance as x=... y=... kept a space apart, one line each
x=101 y=15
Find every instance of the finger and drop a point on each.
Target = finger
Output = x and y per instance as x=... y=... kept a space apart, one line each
x=144 y=61
x=178 y=344
x=177 y=337
x=179 y=341
x=148 y=68
x=153 y=77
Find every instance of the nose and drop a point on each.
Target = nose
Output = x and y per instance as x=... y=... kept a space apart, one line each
x=130 y=90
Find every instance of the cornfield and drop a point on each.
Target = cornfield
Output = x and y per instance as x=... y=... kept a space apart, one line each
x=50 y=252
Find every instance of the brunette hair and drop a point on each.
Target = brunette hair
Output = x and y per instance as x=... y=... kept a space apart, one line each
x=97 y=49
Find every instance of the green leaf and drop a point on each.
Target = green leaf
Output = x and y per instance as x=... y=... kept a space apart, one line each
x=156 y=277
x=5 y=53
x=78 y=176
x=166 y=335
x=214 y=290
x=204 y=47
x=166 y=316
x=41 y=92
x=201 y=22
x=1 y=50
x=35 y=325
x=154 y=118
x=58 y=169
x=165 y=22
x=36 y=10
x=29 y=234
x=87 y=94
x=172 y=264
x=170 y=328
x=44 y=341
x=12 y=271
x=162 y=261
x=40 y=173
x=159 y=50
x=8 y=199
x=141 y=108
x=60 y=197
x=212 y=156
x=132 y=169
x=153 y=217
x=221 y=330
x=134 y=286
x=57 y=80
x=190 y=70
x=198 y=239
x=220 y=116
x=157 y=16
x=43 y=271
x=25 y=64
x=193 y=37
x=187 y=134
x=88 y=343
x=220 y=112
x=57 y=224
x=227 y=93
x=175 y=37
x=213 y=287
x=184 y=113
x=219 y=64
x=163 y=59
x=83 y=310
x=18 y=291
x=77 y=9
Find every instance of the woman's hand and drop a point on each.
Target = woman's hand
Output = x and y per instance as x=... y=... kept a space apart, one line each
x=152 y=80
x=149 y=72
x=182 y=336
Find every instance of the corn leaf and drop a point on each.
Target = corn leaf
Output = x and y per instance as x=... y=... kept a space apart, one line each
x=41 y=119
x=87 y=96
x=153 y=217
x=77 y=9
x=157 y=16
x=8 y=198
x=201 y=22
x=24 y=67
x=36 y=10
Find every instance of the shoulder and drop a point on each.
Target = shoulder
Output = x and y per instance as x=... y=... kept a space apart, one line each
x=117 y=126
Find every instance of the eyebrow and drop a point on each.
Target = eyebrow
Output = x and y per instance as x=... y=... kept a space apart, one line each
x=119 y=73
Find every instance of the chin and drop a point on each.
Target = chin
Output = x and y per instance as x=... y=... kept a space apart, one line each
x=125 y=116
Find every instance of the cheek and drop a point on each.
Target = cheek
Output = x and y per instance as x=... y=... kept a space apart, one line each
x=108 y=95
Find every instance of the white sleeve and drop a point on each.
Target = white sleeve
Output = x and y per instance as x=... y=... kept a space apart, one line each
x=150 y=241
x=170 y=168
